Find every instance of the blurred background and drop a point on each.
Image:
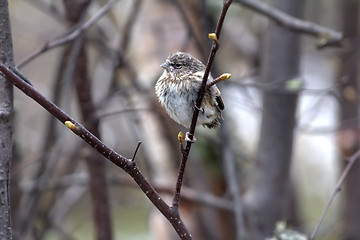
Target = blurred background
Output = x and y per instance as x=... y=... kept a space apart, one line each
x=105 y=80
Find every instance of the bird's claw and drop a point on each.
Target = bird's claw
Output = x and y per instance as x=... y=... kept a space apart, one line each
x=188 y=139
x=198 y=108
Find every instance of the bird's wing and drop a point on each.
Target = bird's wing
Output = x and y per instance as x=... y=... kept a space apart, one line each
x=219 y=102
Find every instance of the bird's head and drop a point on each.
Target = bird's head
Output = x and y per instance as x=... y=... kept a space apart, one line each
x=182 y=64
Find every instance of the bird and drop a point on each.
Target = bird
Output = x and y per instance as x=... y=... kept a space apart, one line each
x=177 y=90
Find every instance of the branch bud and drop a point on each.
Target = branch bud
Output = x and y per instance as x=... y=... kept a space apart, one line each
x=180 y=136
x=70 y=125
x=225 y=76
x=213 y=36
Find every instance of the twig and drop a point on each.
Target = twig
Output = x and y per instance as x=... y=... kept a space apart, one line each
x=337 y=189
x=223 y=77
x=126 y=164
x=214 y=48
x=136 y=150
x=70 y=36
x=326 y=36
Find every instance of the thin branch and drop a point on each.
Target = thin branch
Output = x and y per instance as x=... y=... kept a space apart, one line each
x=136 y=150
x=126 y=164
x=70 y=36
x=214 y=48
x=337 y=189
x=326 y=36
x=223 y=77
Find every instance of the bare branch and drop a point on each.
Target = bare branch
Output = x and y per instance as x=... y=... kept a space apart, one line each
x=337 y=189
x=126 y=164
x=70 y=36
x=223 y=77
x=136 y=150
x=326 y=36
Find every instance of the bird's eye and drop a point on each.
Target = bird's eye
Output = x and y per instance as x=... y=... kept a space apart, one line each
x=177 y=65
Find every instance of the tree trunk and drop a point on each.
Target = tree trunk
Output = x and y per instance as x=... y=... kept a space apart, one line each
x=269 y=181
x=349 y=134
x=6 y=122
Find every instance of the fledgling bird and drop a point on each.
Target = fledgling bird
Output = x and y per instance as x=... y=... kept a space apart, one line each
x=178 y=87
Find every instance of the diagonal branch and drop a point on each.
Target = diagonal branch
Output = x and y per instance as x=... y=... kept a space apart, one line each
x=126 y=164
x=70 y=36
x=214 y=48
x=337 y=189
x=326 y=36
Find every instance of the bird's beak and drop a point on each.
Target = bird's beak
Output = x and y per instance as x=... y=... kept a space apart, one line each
x=165 y=65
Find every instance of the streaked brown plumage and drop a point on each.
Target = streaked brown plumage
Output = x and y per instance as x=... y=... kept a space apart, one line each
x=177 y=90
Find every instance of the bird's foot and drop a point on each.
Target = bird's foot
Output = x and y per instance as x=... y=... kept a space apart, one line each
x=190 y=137
x=198 y=108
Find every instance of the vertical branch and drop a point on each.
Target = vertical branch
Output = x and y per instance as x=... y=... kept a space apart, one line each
x=6 y=121
x=96 y=166
x=268 y=185
x=29 y=208
x=214 y=48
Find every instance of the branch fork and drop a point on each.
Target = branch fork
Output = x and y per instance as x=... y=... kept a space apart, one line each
x=126 y=164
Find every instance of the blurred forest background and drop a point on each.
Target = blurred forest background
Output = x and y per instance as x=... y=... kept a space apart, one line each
x=290 y=121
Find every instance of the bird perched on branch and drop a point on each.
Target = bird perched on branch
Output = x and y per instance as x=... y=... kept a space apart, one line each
x=178 y=87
